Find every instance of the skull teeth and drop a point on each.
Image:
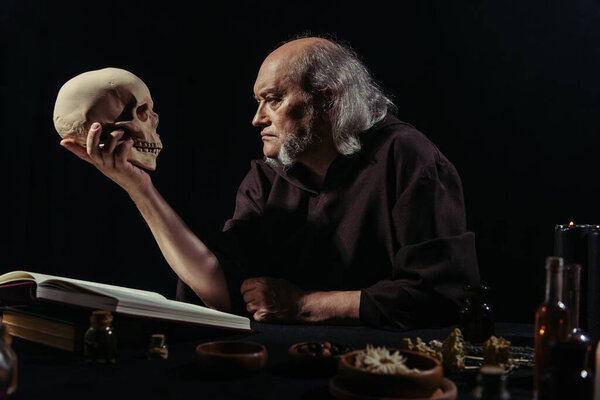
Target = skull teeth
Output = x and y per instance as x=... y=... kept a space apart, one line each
x=147 y=147
x=155 y=150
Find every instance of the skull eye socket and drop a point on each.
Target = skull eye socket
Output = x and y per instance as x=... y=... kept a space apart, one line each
x=127 y=113
x=142 y=112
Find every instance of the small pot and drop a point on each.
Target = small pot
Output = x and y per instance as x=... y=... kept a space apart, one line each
x=319 y=359
x=422 y=383
x=230 y=358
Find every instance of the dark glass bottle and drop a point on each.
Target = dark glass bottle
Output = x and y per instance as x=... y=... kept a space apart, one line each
x=491 y=384
x=476 y=319
x=566 y=376
x=551 y=318
x=8 y=364
x=100 y=342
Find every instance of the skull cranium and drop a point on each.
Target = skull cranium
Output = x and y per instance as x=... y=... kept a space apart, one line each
x=115 y=98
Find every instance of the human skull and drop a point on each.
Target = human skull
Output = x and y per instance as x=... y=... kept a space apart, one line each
x=115 y=98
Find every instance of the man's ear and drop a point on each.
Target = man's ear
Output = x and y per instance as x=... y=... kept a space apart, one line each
x=325 y=101
x=327 y=98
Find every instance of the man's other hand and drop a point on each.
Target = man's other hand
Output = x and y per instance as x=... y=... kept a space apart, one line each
x=272 y=299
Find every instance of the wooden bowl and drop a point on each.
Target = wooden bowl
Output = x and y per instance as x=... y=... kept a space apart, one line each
x=230 y=358
x=318 y=358
x=418 y=384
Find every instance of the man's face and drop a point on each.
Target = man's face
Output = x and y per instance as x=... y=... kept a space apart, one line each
x=283 y=113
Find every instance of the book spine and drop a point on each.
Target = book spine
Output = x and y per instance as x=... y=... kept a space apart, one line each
x=18 y=292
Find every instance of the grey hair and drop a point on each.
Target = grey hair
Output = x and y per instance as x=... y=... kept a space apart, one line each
x=355 y=102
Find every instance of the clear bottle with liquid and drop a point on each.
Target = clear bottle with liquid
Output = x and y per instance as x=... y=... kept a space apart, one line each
x=551 y=319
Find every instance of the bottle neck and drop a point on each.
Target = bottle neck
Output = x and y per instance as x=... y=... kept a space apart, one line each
x=554 y=285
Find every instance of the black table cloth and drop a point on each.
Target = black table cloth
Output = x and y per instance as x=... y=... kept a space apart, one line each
x=47 y=373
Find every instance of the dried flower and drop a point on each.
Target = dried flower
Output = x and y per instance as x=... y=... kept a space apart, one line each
x=496 y=351
x=381 y=360
x=421 y=347
x=453 y=351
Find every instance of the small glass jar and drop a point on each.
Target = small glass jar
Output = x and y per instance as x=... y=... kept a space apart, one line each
x=100 y=342
x=8 y=364
x=157 y=348
x=476 y=319
x=491 y=384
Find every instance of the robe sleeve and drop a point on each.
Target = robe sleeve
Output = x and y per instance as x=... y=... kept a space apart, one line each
x=436 y=256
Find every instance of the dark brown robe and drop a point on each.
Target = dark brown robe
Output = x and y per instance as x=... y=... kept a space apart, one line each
x=389 y=221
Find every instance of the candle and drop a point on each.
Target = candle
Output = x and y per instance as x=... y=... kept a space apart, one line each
x=570 y=243
x=580 y=244
x=593 y=283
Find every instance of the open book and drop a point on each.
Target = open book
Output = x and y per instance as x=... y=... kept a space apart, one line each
x=120 y=300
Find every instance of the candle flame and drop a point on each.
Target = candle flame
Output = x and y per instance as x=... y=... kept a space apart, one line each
x=571 y=224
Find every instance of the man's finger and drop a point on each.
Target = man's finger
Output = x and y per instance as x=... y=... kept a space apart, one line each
x=113 y=141
x=93 y=140
x=248 y=285
x=122 y=152
x=261 y=316
x=249 y=296
x=251 y=307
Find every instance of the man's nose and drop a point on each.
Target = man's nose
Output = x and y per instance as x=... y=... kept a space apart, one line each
x=260 y=118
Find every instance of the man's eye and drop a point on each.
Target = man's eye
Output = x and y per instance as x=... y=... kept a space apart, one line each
x=273 y=100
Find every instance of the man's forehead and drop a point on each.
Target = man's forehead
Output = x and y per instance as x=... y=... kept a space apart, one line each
x=271 y=76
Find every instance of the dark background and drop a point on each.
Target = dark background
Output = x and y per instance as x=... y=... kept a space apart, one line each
x=508 y=90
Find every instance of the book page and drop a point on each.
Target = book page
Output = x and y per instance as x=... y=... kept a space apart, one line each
x=134 y=302
x=102 y=288
x=16 y=276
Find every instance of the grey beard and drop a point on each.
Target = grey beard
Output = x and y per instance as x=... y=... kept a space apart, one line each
x=291 y=148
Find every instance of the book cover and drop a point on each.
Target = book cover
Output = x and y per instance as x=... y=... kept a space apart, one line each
x=64 y=327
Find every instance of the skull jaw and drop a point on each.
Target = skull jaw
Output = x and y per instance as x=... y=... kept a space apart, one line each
x=142 y=159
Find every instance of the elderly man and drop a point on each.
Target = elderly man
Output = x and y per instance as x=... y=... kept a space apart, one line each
x=352 y=217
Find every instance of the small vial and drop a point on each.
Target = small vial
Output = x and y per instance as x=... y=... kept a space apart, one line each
x=157 y=348
x=491 y=384
x=100 y=343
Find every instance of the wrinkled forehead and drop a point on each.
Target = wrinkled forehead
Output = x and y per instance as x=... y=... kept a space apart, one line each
x=273 y=73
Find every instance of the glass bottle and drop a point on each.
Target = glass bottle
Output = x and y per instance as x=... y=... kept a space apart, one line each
x=597 y=372
x=157 y=348
x=8 y=364
x=476 y=320
x=100 y=343
x=566 y=376
x=551 y=318
x=572 y=299
x=491 y=384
